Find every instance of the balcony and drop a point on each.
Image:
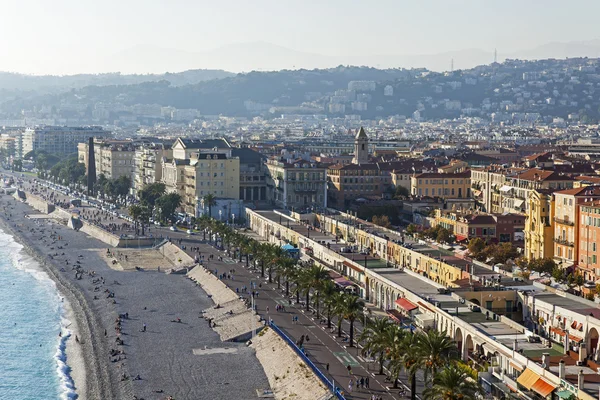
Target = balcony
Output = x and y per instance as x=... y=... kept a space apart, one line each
x=564 y=221
x=564 y=242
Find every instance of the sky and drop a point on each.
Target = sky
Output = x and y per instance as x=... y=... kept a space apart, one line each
x=71 y=36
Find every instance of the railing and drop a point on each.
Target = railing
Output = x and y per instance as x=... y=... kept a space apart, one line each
x=564 y=242
x=317 y=371
x=564 y=221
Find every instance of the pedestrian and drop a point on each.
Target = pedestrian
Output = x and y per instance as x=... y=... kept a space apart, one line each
x=350 y=386
x=367 y=382
x=357 y=384
x=362 y=382
x=267 y=309
x=327 y=367
x=349 y=368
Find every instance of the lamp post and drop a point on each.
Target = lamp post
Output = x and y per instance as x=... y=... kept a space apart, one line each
x=233 y=219
x=220 y=214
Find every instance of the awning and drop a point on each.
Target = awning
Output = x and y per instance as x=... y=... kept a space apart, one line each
x=476 y=192
x=528 y=378
x=515 y=366
x=406 y=305
x=560 y=332
x=579 y=326
x=505 y=188
x=543 y=387
x=343 y=282
x=460 y=238
x=564 y=394
x=519 y=203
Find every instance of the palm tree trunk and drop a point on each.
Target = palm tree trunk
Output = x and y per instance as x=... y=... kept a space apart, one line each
x=307 y=299
x=317 y=304
x=247 y=260
x=413 y=387
x=287 y=288
x=278 y=282
x=297 y=293
x=270 y=274
x=381 y=361
x=328 y=317
x=339 y=327
x=352 y=333
x=262 y=269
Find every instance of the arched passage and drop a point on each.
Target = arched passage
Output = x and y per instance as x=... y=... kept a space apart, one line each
x=593 y=342
x=475 y=301
x=468 y=346
x=458 y=338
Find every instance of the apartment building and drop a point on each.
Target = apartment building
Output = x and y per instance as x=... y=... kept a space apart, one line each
x=59 y=140
x=492 y=228
x=353 y=181
x=539 y=225
x=589 y=234
x=147 y=164
x=566 y=216
x=253 y=175
x=485 y=186
x=296 y=183
x=114 y=158
x=447 y=186
x=515 y=192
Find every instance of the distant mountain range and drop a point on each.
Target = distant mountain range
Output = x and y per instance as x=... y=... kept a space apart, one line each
x=12 y=82
x=244 y=57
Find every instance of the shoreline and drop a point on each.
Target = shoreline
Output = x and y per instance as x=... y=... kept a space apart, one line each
x=92 y=380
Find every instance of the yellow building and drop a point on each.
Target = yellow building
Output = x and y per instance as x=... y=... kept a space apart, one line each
x=447 y=186
x=539 y=225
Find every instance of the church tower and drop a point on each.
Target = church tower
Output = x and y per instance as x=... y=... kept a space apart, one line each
x=361 y=147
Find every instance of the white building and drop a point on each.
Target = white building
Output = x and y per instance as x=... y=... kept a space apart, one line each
x=59 y=140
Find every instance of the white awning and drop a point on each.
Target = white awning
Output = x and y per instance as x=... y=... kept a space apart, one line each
x=519 y=203
x=505 y=188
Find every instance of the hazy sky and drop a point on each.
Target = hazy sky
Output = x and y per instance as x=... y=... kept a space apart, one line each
x=68 y=36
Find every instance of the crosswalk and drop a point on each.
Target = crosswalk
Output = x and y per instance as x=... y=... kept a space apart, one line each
x=346 y=359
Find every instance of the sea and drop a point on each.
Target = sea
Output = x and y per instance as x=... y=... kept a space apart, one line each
x=32 y=314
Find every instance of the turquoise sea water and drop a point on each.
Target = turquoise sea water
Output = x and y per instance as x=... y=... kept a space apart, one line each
x=32 y=355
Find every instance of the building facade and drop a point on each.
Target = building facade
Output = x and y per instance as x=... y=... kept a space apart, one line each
x=113 y=158
x=296 y=183
x=59 y=140
x=446 y=186
x=539 y=225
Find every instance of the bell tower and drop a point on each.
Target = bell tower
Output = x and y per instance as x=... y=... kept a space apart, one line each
x=361 y=147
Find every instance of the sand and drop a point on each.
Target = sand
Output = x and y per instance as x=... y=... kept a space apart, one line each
x=289 y=377
x=75 y=357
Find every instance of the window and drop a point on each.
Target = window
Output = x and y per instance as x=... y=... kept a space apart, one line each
x=489 y=305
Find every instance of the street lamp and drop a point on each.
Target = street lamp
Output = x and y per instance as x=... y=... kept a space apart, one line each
x=220 y=215
x=233 y=219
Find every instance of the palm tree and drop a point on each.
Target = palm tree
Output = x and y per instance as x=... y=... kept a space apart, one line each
x=378 y=338
x=135 y=212
x=353 y=309
x=338 y=300
x=313 y=278
x=435 y=351
x=287 y=269
x=452 y=383
x=209 y=201
x=329 y=290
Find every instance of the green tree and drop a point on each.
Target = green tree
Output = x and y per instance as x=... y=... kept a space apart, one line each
x=210 y=201
x=329 y=291
x=150 y=193
x=404 y=356
x=401 y=192
x=352 y=308
x=452 y=383
x=443 y=236
x=411 y=229
x=476 y=247
x=435 y=350
x=376 y=339
x=312 y=278
x=167 y=204
x=121 y=187
x=382 y=220
x=135 y=213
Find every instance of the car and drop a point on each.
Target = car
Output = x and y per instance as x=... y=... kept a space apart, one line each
x=189 y=232
x=172 y=228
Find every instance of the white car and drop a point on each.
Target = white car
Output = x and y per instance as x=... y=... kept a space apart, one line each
x=189 y=232
x=173 y=228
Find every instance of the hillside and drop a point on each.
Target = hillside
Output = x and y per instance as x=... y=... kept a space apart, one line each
x=529 y=89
